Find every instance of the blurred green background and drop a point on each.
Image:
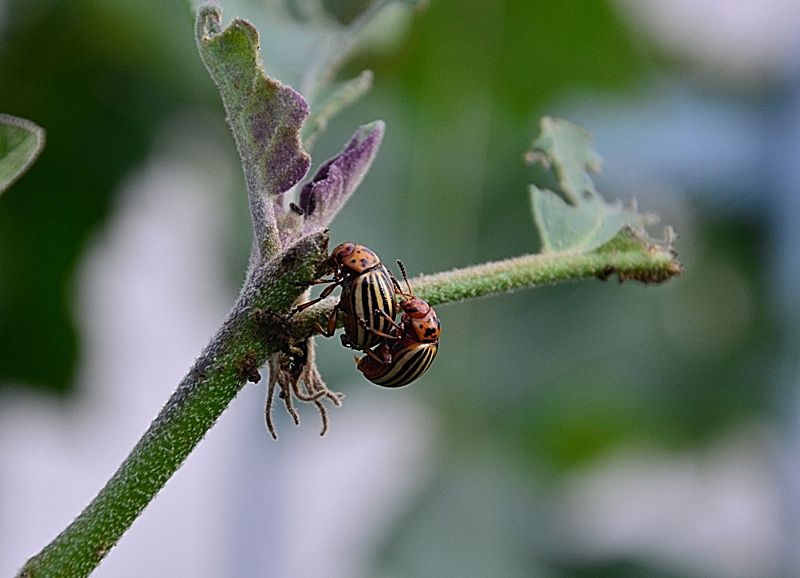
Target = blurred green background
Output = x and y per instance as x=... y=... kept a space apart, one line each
x=544 y=403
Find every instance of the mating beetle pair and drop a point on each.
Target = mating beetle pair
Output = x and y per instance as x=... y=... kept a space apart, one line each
x=395 y=354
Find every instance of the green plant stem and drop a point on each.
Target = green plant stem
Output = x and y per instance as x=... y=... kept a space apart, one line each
x=653 y=264
x=234 y=355
x=243 y=344
x=541 y=269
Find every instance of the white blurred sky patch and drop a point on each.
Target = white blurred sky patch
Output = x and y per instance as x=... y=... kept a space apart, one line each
x=722 y=132
x=745 y=39
x=244 y=505
x=140 y=333
x=711 y=512
x=150 y=293
x=670 y=134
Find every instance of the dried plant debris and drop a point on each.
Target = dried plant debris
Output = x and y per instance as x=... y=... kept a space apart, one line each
x=295 y=376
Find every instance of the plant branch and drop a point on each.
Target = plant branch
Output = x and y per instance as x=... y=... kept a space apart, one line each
x=233 y=357
x=266 y=117
x=651 y=266
x=251 y=334
x=644 y=263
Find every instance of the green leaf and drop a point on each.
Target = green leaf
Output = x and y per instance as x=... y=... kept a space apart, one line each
x=581 y=228
x=576 y=218
x=21 y=141
x=265 y=117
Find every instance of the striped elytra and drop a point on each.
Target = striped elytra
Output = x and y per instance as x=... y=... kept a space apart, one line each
x=367 y=288
x=362 y=297
x=408 y=360
x=399 y=361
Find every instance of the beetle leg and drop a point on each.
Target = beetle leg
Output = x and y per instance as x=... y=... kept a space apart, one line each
x=314 y=282
x=350 y=344
x=381 y=333
x=330 y=329
x=321 y=281
x=388 y=318
x=332 y=320
x=385 y=360
x=374 y=331
x=321 y=330
x=325 y=292
x=347 y=342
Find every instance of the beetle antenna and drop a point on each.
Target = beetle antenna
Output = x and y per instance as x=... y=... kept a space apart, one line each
x=405 y=277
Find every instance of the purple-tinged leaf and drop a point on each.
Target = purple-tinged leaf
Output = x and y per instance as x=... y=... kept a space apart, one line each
x=323 y=197
x=265 y=117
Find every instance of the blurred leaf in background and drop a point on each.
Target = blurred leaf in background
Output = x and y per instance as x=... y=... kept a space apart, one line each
x=550 y=382
x=21 y=141
x=531 y=391
x=100 y=77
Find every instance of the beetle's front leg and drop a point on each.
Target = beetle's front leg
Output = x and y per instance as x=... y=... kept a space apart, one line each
x=382 y=356
x=325 y=292
x=331 y=327
x=388 y=318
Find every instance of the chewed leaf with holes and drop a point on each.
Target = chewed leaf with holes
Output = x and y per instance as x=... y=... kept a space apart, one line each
x=576 y=218
x=21 y=141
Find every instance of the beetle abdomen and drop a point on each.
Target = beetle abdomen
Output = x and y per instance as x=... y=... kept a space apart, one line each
x=408 y=362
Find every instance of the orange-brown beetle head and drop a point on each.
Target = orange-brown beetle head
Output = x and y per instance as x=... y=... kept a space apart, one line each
x=354 y=258
x=414 y=306
x=420 y=317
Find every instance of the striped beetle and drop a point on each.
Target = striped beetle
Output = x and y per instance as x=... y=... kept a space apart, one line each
x=368 y=296
x=407 y=353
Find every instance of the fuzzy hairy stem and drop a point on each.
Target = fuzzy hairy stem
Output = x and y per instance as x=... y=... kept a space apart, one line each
x=654 y=264
x=245 y=341
x=233 y=357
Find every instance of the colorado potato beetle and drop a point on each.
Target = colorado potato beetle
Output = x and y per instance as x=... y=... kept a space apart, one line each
x=368 y=296
x=406 y=354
